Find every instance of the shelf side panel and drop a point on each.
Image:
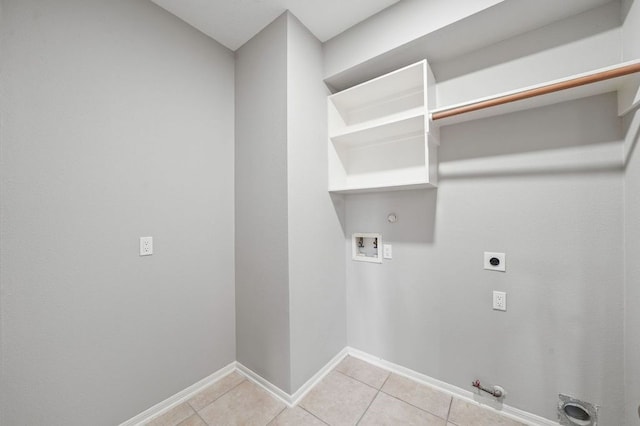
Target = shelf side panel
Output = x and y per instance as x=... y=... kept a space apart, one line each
x=337 y=172
x=431 y=102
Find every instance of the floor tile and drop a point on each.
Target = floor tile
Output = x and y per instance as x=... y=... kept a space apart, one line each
x=296 y=417
x=339 y=399
x=194 y=420
x=173 y=416
x=389 y=411
x=246 y=404
x=215 y=391
x=467 y=414
x=421 y=396
x=363 y=371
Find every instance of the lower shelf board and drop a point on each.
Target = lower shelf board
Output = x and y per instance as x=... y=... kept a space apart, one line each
x=404 y=187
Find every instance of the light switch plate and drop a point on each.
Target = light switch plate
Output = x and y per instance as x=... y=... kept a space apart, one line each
x=495 y=261
x=146 y=246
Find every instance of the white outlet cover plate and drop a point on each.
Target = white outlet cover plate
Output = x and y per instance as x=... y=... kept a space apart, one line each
x=387 y=251
x=499 y=301
x=146 y=246
x=502 y=266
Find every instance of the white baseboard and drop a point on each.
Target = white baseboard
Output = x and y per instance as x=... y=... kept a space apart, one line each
x=309 y=384
x=471 y=397
x=265 y=384
x=179 y=398
x=293 y=400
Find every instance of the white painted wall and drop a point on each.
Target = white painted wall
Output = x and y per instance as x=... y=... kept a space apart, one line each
x=545 y=187
x=111 y=107
x=632 y=272
x=578 y=44
x=316 y=247
x=631 y=29
x=262 y=264
x=437 y=30
x=117 y=122
x=631 y=50
x=399 y=24
x=290 y=283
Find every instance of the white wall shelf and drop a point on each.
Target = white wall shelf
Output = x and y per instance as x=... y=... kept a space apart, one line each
x=623 y=78
x=384 y=132
x=380 y=135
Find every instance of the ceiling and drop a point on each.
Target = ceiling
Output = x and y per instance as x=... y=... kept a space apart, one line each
x=234 y=22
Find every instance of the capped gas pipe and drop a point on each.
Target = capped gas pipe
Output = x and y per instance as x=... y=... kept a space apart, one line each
x=495 y=391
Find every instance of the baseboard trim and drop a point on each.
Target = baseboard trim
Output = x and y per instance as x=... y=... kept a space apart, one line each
x=264 y=383
x=293 y=400
x=179 y=397
x=309 y=384
x=471 y=397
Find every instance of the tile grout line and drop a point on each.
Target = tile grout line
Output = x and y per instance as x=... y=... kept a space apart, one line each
x=229 y=390
x=200 y=417
x=367 y=409
x=449 y=410
x=415 y=406
x=162 y=414
x=360 y=381
x=307 y=411
x=365 y=383
x=276 y=416
x=373 y=399
x=385 y=381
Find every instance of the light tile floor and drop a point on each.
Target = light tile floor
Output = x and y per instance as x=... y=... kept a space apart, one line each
x=354 y=393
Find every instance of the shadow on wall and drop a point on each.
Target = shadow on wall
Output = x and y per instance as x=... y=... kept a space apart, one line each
x=572 y=137
x=339 y=207
x=631 y=124
x=415 y=211
x=530 y=43
x=626 y=8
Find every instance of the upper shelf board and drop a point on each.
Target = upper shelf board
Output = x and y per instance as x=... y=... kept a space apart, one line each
x=596 y=82
x=399 y=83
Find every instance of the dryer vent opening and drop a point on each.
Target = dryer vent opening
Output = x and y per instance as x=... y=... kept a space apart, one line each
x=573 y=412
x=577 y=414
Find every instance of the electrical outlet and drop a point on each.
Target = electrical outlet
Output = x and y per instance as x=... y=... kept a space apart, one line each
x=495 y=261
x=146 y=246
x=499 y=301
x=387 y=251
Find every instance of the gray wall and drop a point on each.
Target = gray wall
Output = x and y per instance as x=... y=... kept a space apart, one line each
x=117 y=122
x=631 y=50
x=584 y=42
x=545 y=187
x=632 y=272
x=393 y=27
x=290 y=275
x=262 y=277
x=316 y=239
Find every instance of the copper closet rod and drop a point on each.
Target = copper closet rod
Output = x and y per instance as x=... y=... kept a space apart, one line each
x=550 y=88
